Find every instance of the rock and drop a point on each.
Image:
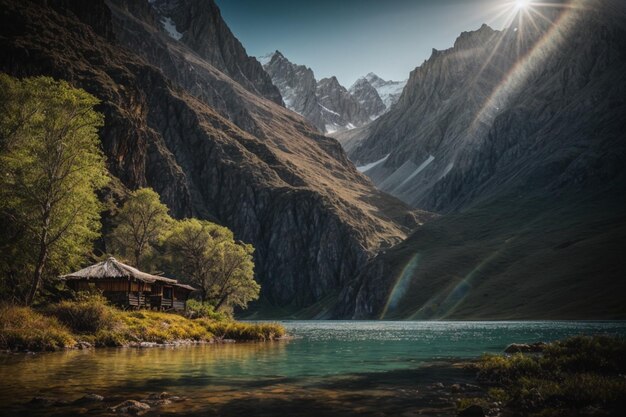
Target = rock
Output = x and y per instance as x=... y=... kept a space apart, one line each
x=83 y=345
x=89 y=398
x=437 y=385
x=176 y=399
x=525 y=348
x=472 y=411
x=456 y=388
x=158 y=403
x=44 y=401
x=158 y=396
x=130 y=407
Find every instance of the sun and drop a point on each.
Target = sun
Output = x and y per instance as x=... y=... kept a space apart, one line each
x=522 y=4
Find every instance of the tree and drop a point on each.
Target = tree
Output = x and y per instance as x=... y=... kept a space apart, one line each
x=51 y=165
x=142 y=223
x=209 y=256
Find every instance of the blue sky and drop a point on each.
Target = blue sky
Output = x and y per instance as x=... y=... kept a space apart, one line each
x=349 y=38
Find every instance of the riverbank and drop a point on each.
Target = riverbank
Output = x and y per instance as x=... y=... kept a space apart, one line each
x=76 y=325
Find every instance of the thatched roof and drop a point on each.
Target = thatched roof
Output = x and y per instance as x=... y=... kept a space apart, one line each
x=112 y=268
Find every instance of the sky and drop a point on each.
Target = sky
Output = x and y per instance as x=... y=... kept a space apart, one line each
x=350 y=38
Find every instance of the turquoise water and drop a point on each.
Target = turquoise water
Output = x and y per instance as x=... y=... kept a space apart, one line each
x=328 y=368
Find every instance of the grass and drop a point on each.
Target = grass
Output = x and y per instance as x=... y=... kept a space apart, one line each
x=22 y=328
x=244 y=331
x=579 y=372
x=62 y=325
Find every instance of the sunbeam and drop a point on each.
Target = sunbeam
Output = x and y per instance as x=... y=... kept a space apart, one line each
x=530 y=60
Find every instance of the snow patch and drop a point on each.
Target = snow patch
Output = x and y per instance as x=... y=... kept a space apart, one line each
x=329 y=110
x=371 y=165
x=170 y=28
x=331 y=128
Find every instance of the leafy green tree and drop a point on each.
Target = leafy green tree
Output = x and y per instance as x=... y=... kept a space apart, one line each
x=51 y=165
x=208 y=255
x=142 y=223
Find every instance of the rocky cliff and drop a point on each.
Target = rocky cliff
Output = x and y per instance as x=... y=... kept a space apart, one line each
x=518 y=137
x=177 y=119
x=297 y=85
x=199 y=25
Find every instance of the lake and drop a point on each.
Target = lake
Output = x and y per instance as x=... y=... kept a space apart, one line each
x=328 y=368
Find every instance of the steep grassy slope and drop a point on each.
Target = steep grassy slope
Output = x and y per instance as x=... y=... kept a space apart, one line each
x=505 y=259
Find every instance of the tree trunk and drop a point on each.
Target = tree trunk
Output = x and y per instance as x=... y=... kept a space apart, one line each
x=222 y=300
x=41 y=262
x=137 y=256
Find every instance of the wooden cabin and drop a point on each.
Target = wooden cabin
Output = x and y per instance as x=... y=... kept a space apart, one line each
x=128 y=287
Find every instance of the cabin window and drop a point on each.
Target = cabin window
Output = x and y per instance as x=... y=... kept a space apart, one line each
x=167 y=292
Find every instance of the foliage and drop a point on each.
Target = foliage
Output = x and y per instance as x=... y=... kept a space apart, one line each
x=198 y=309
x=142 y=222
x=22 y=328
x=209 y=256
x=89 y=313
x=577 y=372
x=50 y=167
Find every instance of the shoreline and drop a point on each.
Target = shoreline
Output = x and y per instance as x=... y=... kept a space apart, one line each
x=148 y=345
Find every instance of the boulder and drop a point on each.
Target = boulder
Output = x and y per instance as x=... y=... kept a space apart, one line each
x=130 y=407
x=537 y=347
x=89 y=398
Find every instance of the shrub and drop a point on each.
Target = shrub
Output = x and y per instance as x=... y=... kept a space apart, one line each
x=22 y=328
x=88 y=313
x=576 y=372
x=197 y=309
x=603 y=354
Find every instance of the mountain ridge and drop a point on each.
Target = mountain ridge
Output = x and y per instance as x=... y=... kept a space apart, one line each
x=328 y=105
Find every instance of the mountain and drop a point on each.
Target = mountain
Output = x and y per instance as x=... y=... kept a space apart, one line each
x=518 y=138
x=388 y=91
x=367 y=96
x=376 y=96
x=297 y=86
x=340 y=110
x=189 y=114
x=328 y=105
x=199 y=25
